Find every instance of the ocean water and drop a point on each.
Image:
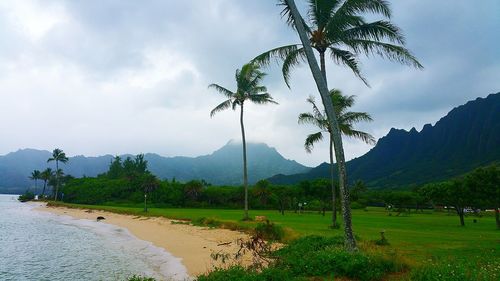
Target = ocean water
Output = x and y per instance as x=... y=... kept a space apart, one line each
x=37 y=245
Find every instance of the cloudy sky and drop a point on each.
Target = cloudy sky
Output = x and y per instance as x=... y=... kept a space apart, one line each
x=99 y=77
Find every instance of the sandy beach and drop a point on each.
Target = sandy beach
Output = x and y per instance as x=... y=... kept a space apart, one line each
x=193 y=244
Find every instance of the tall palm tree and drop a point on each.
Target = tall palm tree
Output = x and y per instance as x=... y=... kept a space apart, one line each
x=59 y=156
x=35 y=175
x=346 y=121
x=248 y=88
x=45 y=176
x=339 y=25
x=337 y=28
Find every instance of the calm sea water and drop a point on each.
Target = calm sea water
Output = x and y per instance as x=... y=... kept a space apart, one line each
x=36 y=245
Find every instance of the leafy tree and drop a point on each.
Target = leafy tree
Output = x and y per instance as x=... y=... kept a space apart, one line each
x=58 y=156
x=193 y=189
x=35 y=175
x=484 y=182
x=451 y=193
x=115 y=168
x=262 y=192
x=46 y=175
x=346 y=121
x=248 y=88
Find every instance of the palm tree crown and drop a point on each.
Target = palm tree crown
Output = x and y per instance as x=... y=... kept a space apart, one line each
x=346 y=119
x=337 y=27
x=59 y=156
x=248 y=87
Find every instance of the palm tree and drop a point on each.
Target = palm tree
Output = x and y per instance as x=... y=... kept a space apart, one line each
x=248 y=88
x=336 y=28
x=59 y=156
x=345 y=28
x=346 y=121
x=35 y=175
x=45 y=176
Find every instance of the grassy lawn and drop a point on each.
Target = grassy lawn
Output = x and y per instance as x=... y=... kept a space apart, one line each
x=419 y=237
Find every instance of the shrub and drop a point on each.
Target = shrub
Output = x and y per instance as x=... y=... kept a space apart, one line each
x=238 y=273
x=27 y=196
x=270 y=231
x=321 y=256
x=140 y=278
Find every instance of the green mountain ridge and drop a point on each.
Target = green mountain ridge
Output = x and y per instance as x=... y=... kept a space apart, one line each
x=467 y=137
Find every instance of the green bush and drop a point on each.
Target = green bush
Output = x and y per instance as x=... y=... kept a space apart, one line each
x=27 y=196
x=321 y=256
x=238 y=273
x=270 y=231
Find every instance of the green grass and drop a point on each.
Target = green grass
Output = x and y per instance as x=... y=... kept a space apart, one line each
x=419 y=237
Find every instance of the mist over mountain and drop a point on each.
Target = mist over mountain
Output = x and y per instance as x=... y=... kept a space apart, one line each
x=222 y=167
x=467 y=137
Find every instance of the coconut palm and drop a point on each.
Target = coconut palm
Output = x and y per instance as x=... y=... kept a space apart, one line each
x=58 y=156
x=248 y=88
x=45 y=176
x=346 y=121
x=339 y=25
x=35 y=175
x=337 y=28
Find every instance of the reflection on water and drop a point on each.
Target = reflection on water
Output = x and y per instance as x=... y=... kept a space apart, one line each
x=41 y=246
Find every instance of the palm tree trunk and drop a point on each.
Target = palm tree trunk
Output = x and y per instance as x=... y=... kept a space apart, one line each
x=350 y=241
x=44 y=185
x=245 y=174
x=332 y=179
x=57 y=180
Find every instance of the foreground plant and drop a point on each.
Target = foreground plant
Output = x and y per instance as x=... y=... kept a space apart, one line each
x=248 y=88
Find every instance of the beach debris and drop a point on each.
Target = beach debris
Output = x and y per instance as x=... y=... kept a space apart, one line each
x=224 y=244
x=99 y=218
x=89 y=211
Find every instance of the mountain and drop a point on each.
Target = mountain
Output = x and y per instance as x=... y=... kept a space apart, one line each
x=222 y=167
x=467 y=137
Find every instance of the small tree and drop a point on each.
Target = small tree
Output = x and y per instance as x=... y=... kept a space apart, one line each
x=45 y=176
x=149 y=184
x=454 y=193
x=58 y=156
x=35 y=175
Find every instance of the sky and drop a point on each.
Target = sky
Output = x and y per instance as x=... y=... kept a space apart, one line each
x=124 y=76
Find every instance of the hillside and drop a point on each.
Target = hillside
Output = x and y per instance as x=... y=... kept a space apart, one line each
x=467 y=137
x=222 y=167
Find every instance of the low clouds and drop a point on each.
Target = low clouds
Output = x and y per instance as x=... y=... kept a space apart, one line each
x=131 y=76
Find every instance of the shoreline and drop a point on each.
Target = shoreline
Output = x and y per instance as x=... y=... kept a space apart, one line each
x=194 y=245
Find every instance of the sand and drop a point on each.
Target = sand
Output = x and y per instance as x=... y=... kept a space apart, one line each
x=193 y=244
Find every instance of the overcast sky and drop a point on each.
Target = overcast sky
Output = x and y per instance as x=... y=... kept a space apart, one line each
x=113 y=77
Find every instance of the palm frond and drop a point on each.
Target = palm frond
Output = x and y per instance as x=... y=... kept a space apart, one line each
x=293 y=59
x=228 y=94
x=350 y=7
x=356 y=117
x=308 y=118
x=311 y=140
x=221 y=107
x=376 y=31
x=261 y=98
x=321 y=11
x=278 y=54
x=285 y=13
x=348 y=59
x=386 y=50
x=367 y=138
